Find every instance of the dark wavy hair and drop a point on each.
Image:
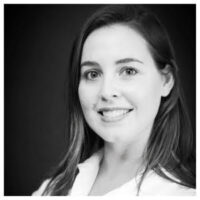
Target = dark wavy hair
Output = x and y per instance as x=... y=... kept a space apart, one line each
x=171 y=145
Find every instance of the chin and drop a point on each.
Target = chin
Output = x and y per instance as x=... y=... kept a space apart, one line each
x=114 y=137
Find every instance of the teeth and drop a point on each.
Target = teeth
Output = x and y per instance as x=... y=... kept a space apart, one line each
x=114 y=113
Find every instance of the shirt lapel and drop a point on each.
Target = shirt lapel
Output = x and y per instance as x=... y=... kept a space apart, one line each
x=88 y=171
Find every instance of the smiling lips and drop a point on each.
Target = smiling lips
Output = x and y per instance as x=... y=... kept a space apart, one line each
x=113 y=114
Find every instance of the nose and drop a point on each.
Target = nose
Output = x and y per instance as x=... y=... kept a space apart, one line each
x=109 y=90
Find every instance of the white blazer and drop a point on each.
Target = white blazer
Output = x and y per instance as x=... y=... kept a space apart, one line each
x=152 y=185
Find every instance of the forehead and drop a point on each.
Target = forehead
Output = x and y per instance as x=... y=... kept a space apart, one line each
x=115 y=41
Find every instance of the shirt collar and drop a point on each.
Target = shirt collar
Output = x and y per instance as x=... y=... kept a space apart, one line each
x=95 y=159
x=88 y=171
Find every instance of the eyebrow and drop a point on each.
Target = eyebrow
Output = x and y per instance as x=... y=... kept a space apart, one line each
x=90 y=64
x=127 y=60
x=121 y=61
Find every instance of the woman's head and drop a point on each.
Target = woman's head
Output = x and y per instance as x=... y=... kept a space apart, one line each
x=108 y=24
x=120 y=86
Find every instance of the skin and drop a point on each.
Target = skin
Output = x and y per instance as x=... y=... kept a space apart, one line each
x=118 y=72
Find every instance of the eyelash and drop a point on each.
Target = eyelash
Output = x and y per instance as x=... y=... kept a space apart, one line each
x=126 y=69
x=87 y=74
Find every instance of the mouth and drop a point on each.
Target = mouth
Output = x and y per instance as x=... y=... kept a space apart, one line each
x=113 y=114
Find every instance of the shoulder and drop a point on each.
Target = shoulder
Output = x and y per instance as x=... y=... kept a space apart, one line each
x=157 y=185
x=41 y=189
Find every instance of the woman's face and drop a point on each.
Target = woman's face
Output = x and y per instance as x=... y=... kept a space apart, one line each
x=120 y=87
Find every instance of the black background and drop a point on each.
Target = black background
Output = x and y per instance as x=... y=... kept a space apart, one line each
x=37 y=42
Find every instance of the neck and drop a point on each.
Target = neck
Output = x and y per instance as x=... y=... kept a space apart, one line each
x=119 y=157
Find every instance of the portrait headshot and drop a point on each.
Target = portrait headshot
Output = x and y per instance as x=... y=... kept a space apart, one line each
x=100 y=99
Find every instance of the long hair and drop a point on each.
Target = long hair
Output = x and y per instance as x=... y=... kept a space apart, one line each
x=171 y=145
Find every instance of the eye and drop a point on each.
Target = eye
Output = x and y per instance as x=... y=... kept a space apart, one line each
x=91 y=75
x=128 y=71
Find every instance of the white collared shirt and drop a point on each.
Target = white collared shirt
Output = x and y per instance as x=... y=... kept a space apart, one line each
x=153 y=184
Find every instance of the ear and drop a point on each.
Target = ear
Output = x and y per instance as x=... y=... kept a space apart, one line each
x=168 y=81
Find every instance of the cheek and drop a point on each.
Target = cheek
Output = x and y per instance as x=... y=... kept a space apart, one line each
x=82 y=96
x=87 y=96
x=144 y=96
x=150 y=100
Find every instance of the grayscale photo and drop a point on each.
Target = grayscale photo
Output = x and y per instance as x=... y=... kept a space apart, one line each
x=100 y=99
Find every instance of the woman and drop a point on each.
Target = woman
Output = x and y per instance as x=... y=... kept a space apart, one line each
x=129 y=132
